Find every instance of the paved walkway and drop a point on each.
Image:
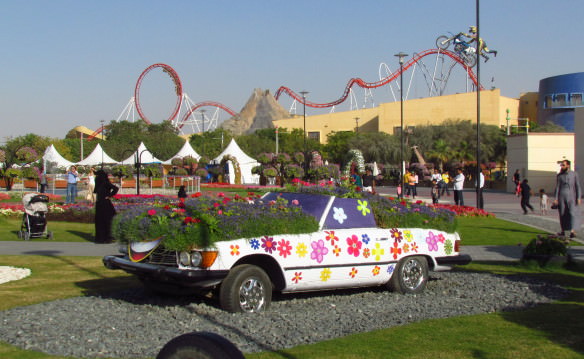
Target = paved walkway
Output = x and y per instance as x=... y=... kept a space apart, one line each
x=503 y=205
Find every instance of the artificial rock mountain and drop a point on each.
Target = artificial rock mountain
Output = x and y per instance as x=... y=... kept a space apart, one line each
x=259 y=112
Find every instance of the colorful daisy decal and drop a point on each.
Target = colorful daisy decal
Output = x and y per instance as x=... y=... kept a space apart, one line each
x=448 y=247
x=255 y=244
x=330 y=236
x=441 y=238
x=268 y=244
x=339 y=214
x=353 y=272
x=395 y=250
x=408 y=236
x=337 y=251
x=365 y=238
x=376 y=270
x=301 y=250
x=318 y=250
x=390 y=268
x=414 y=247
x=377 y=252
x=325 y=274
x=284 y=248
x=234 y=249
x=297 y=277
x=366 y=252
x=432 y=241
x=406 y=248
x=396 y=234
x=354 y=245
x=363 y=207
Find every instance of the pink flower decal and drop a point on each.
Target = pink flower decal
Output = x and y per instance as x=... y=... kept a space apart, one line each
x=432 y=241
x=268 y=244
x=354 y=245
x=284 y=248
x=441 y=238
x=318 y=250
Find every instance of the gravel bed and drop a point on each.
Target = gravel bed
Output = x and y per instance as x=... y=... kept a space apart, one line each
x=136 y=324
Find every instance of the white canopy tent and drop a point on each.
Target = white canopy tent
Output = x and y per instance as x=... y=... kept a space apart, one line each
x=246 y=163
x=145 y=156
x=51 y=155
x=97 y=157
x=185 y=151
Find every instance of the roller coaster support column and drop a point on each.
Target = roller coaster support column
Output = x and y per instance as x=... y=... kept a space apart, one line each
x=401 y=56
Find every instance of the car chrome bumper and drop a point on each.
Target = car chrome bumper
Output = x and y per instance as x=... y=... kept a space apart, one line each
x=184 y=277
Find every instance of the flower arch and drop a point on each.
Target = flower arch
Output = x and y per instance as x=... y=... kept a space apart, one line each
x=236 y=167
x=355 y=156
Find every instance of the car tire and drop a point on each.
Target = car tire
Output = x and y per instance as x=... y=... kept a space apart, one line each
x=199 y=345
x=410 y=276
x=247 y=288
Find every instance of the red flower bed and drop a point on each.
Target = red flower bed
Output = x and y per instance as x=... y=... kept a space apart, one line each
x=465 y=211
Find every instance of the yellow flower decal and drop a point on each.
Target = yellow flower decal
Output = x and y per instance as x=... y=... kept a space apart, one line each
x=301 y=250
x=408 y=236
x=325 y=274
x=363 y=207
x=377 y=251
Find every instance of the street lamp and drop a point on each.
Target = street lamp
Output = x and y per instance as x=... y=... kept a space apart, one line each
x=203 y=132
x=304 y=93
x=401 y=56
x=102 y=139
x=356 y=124
x=479 y=190
x=137 y=163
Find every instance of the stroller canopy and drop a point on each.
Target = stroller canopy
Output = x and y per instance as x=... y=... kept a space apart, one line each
x=35 y=203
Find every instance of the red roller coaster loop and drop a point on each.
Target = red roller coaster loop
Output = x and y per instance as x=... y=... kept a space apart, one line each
x=368 y=85
x=178 y=89
x=204 y=104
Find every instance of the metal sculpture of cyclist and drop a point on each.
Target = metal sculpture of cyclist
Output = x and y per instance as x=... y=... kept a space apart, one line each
x=482 y=45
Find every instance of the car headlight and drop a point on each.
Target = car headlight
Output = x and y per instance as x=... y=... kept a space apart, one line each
x=184 y=258
x=196 y=259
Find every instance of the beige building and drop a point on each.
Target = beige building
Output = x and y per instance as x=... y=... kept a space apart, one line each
x=426 y=111
x=536 y=156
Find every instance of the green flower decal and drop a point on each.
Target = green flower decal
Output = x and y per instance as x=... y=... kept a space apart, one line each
x=363 y=207
x=448 y=246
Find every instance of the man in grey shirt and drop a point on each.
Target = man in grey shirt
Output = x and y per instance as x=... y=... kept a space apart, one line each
x=567 y=198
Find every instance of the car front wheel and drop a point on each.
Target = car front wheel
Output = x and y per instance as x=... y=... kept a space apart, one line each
x=247 y=288
x=410 y=276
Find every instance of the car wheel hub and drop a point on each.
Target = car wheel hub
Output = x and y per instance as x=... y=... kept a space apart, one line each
x=251 y=295
x=412 y=274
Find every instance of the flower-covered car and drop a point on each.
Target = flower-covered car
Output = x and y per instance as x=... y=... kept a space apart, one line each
x=339 y=246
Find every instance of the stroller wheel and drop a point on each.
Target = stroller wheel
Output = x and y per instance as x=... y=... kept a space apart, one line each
x=50 y=235
x=19 y=233
x=26 y=236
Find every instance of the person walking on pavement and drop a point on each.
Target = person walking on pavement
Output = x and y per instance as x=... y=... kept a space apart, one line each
x=481 y=203
x=517 y=181
x=525 y=195
x=458 y=186
x=445 y=181
x=567 y=198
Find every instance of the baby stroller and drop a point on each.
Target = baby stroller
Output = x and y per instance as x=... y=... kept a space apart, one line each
x=34 y=221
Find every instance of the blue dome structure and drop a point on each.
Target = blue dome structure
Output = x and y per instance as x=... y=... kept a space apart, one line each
x=558 y=97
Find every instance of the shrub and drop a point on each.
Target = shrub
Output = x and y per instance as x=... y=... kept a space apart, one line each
x=547 y=245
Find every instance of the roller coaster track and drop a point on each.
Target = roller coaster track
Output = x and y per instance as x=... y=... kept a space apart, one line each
x=369 y=85
x=204 y=104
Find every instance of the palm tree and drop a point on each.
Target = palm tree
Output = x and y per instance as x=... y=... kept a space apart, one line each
x=441 y=152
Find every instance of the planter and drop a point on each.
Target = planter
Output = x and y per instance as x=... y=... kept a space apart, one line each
x=546 y=259
x=60 y=184
x=30 y=183
x=130 y=183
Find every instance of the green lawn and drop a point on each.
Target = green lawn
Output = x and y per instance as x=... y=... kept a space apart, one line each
x=494 y=231
x=62 y=231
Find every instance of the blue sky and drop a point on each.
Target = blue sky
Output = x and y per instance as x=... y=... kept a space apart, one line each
x=68 y=63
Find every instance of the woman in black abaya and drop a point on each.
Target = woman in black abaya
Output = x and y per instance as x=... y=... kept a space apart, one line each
x=104 y=209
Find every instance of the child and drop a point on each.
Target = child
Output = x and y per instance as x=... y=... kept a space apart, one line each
x=182 y=193
x=543 y=202
x=435 y=192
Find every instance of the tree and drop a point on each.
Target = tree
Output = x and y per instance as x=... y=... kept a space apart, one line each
x=337 y=146
x=441 y=152
x=22 y=150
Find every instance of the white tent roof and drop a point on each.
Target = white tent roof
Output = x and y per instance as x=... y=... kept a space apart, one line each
x=51 y=155
x=185 y=151
x=234 y=150
x=145 y=156
x=97 y=157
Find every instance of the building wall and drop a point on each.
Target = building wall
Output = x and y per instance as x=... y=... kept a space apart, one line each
x=528 y=102
x=536 y=155
x=427 y=111
x=558 y=97
x=579 y=145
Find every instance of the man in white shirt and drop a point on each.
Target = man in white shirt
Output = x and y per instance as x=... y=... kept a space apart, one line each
x=458 y=186
x=481 y=203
